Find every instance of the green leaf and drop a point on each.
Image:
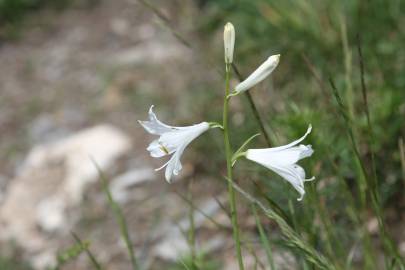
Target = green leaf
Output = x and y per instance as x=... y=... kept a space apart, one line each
x=240 y=152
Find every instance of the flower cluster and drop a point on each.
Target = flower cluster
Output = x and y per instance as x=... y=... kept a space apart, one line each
x=173 y=140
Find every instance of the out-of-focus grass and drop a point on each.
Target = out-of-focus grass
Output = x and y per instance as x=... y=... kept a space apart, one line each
x=14 y=264
x=200 y=262
x=13 y=13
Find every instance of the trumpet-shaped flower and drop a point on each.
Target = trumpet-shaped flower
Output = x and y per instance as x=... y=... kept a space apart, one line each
x=172 y=140
x=282 y=160
x=259 y=74
x=229 y=42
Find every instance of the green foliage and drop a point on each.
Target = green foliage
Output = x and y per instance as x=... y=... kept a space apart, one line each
x=71 y=253
x=11 y=11
x=119 y=217
x=201 y=262
x=13 y=263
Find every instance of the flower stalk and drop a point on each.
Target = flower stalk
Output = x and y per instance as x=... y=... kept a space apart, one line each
x=228 y=153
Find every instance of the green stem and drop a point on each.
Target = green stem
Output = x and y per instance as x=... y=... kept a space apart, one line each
x=191 y=232
x=231 y=191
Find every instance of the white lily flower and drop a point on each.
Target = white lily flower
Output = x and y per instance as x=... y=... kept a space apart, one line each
x=259 y=74
x=172 y=140
x=229 y=42
x=282 y=160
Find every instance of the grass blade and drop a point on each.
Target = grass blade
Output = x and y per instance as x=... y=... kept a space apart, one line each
x=92 y=258
x=119 y=216
x=293 y=239
x=264 y=239
x=402 y=155
x=70 y=254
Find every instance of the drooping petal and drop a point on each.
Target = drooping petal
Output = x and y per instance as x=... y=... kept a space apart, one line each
x=282 y=157
x=259 y=74
x=294 y=174
x=174 y=165
x=282 y=160
x=154 y=126
x=182 y=140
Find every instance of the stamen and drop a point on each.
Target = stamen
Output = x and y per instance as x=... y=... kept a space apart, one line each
x=164 y=149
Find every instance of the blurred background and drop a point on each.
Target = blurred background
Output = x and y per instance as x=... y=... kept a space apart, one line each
x=75 y=76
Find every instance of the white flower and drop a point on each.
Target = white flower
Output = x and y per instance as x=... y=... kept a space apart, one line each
x=172 y=140
x=229 y=42
x=259 y=74
x=283 y=159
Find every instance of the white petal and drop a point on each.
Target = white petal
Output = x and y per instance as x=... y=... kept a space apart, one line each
x=175 y=142
x=259 y=74
x=175 y=139
x=174 y=165
x=154 y=126
x=269 y=157
x=156 y=150
x=294 y=174
x=278 y=148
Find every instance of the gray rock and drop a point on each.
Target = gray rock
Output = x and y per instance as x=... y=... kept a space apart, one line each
x=52 y=181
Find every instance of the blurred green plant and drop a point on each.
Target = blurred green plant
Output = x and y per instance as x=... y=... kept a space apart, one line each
x=201 y=261
x=11 y=11
x=14 y=264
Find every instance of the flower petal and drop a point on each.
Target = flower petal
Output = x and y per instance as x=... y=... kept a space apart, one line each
x=269 y=157
x=294 y=174
x=174 y=165
x=279 y=148
x=157 y=149
x=154 y=126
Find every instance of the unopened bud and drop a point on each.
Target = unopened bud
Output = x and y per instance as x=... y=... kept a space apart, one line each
x=229 y=42
x=259 y=74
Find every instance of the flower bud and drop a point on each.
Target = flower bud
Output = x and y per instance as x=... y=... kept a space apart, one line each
x=229 y=42
x=259 y=74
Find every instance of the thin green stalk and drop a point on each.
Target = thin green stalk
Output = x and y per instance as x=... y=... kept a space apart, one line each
x=390 y=246
x=191 y=231
x=92 y=258
x=402 y=155
x=228 y=152
x=69 y=254
x=119 y=216
x=264 y=239
x=352 y=208
x=348 y=67
x=292 y=237
x=387 y=241
x=208 y=217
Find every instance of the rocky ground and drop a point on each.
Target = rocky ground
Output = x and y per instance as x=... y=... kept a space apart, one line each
x=72 y=87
